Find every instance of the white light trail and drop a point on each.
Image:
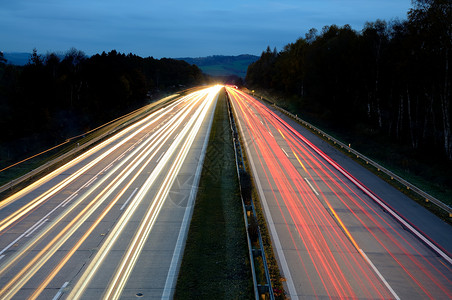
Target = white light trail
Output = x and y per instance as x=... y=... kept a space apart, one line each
x=130 y=258
x=96 y=262
x=155 y=142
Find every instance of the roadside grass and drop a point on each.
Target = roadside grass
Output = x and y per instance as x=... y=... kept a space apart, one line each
x=216 y=264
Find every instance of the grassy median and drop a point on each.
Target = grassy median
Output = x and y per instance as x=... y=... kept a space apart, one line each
x=216 y=262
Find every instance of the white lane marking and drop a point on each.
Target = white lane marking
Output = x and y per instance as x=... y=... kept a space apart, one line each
x=379 y=274
x=270 y=133
x=45 y=218
x=313 y=189
x=25 y=233
x=368 y=192
x=176 y=135
x=180 y=243
x=107 y=167
x=34 y=229
x=158 y=159
x=98 y=259
x=69 y=199
x=60 y=291
x=128 y=199
x=261 y=122
x=285 y=152
x=90 y=182
x=1 y=256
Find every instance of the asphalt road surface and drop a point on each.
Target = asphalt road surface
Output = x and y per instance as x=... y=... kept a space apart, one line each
x=332 y=238
x=111 y=223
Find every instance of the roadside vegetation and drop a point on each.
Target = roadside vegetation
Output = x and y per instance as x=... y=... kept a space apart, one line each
x=386 y=90
x=216 y=264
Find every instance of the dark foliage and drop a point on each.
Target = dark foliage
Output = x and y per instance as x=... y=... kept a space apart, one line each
x=54 y=97
x=392 y=79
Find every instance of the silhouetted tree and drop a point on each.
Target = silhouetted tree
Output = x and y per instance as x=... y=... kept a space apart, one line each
x=390 y=78
x=2 y=58
x=51 y=98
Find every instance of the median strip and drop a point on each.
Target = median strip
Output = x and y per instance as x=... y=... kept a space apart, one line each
x=215 y=264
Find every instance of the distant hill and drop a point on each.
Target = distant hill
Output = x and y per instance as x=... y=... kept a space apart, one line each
x=16 y=58
x=220 y=65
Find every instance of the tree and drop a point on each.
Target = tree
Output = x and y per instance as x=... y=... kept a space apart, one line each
x=35 y=58
x=430 y=21
x=2 y=58
x=391 y=78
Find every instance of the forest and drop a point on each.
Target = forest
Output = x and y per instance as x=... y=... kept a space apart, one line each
x=55 y=97
x=392 y=80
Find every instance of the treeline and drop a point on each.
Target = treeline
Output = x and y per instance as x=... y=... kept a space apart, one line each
x=57 y=96
x=390 y=78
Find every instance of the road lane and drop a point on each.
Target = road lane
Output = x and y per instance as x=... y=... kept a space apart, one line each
x=87 y=224
x=331 y=238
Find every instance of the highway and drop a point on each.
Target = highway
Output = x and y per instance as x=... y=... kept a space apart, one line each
x=112 y=222
x=331 y=237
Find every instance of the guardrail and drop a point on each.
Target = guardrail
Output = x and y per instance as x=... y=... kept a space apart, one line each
x=399 y=218
x=249 y=215
x=80 y=148
x=408 y=185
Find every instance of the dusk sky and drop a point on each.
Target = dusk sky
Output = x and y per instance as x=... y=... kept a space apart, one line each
x=176 y=28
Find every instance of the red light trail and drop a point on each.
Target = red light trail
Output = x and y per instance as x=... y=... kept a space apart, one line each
x=334 y=239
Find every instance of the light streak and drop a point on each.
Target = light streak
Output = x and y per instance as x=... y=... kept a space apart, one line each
x=281 y=133
x=137 y=152
x=109 y=190
x=70 y=209
x=77 y=136
x=130 y=258
x=172 y=272
x=123 y=271
x=14 y=217
x=304 y=168
x=145 y=122
x=4 y=223
x=339 y=272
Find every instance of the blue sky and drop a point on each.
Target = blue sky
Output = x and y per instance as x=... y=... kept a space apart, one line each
x=177 y=28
